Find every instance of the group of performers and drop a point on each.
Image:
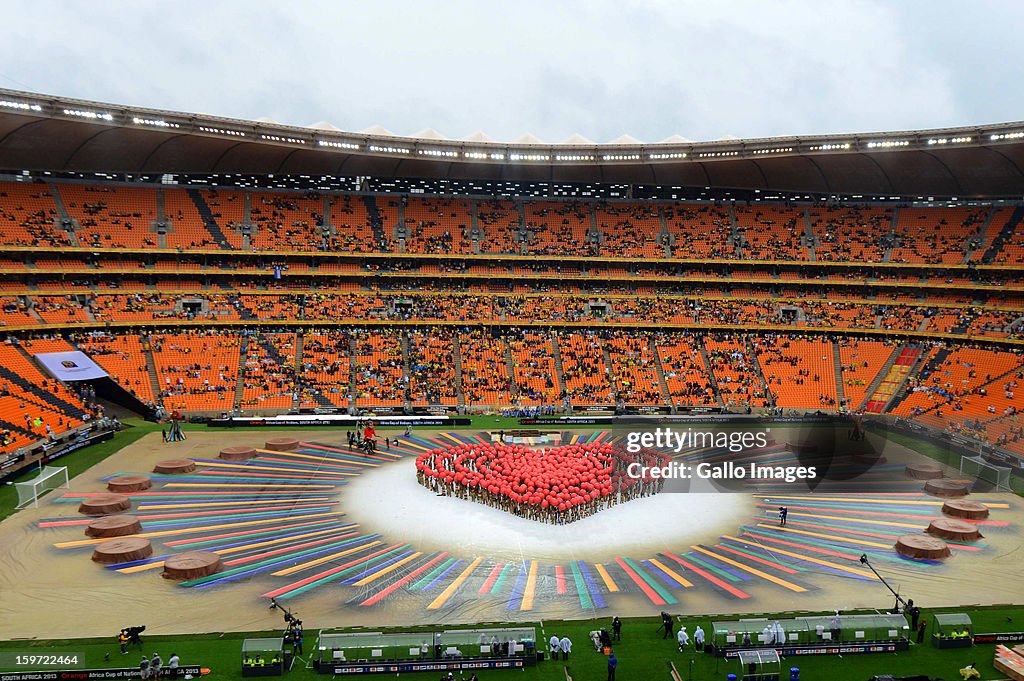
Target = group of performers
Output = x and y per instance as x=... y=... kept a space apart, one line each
x=554 y=485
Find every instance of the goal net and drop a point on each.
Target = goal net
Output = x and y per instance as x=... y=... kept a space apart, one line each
x=51 y=477
x=979 y=469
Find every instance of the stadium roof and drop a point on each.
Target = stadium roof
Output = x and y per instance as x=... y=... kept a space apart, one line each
x=42 y=132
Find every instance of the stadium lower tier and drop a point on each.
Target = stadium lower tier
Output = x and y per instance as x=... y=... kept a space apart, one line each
x=944 y=384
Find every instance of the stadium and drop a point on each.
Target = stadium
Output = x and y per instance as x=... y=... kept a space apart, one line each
x=387 y=382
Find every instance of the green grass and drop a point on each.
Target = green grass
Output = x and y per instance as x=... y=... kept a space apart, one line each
x=77 y=462
x=942 y=455
x=642 y=653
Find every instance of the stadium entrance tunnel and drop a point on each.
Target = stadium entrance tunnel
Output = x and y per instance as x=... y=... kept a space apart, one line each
x=111 y=391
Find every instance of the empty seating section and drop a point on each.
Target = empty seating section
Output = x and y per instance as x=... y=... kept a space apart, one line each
x=269 y=378
x=228 y=210
x=685 y=374
x=16 y=312
x=634 y=370
x=997 y=219
x=389 y=209
x=28 y=216
x=771 y=232
x=196 y=371
x=1012 y=250
x=630 y=230
x=432 y=375
x=499 y=223
x=123 y=356
x=438 y=225
x=700 y=230
x=736 y=373
x=378 y=368
x=485 y=379
x=534 y=368
x=112 y=217
x=851 y=233
x=583 y=368
x=995 y=324
x=800 y=373
x=966 y=382
x=35 y=346
x=353 y=232
x=287 y=222
x=326 y=368
x=935 y=235
x=559 y=228
x=33 y=406
x=862 y=360
x=59 y=310
x=187 y=229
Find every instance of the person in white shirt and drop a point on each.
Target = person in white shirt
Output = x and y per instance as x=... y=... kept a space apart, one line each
x=566 y=645
x=698 y=638
x=172 y=665
x=554 y=645
x=683 y=638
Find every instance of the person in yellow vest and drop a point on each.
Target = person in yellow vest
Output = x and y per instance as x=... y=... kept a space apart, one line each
x=969 y=672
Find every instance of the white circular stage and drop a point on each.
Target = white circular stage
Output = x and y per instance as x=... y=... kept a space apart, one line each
x=389 y=501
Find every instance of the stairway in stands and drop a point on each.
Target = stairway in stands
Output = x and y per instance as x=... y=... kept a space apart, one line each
x=906 y=358
x=837 y=363
x=666 y=395
x=406 y=366
x=206 y=214
x=712 y=379
x=557 y=355
x=457 y=362
x=297 y=369
x=756 y=363
x=1004 y=234
x=376 y=221
x=67 y=223
x=353 y=352
x=154 y=377
x=510 y=366
x=243 y=350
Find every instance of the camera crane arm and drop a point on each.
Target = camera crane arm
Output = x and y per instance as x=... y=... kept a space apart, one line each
x=899 y=599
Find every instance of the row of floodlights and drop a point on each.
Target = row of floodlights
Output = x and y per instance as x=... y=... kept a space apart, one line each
x=497 y=156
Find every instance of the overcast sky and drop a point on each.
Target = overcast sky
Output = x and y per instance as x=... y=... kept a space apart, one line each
x=702 y=70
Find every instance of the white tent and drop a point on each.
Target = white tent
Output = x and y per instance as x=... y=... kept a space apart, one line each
x=430 y=134
x=577 y=139
x=529 y=139
x=626 y=139
x=379 y=130
x=324 y=125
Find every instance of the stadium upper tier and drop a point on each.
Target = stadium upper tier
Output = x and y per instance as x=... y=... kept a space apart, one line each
x=110 y=216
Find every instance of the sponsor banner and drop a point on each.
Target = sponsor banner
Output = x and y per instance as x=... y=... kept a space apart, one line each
x=567 y=420
x=90 y=674
x=339 y=421
x=1004 y=637
x=77 y=444
x=348 y=668
x=836 y=649
x=12 y=461
x=72 y=365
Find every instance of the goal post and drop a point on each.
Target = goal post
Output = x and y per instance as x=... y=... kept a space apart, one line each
x=50 y=477
x=979 y=469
